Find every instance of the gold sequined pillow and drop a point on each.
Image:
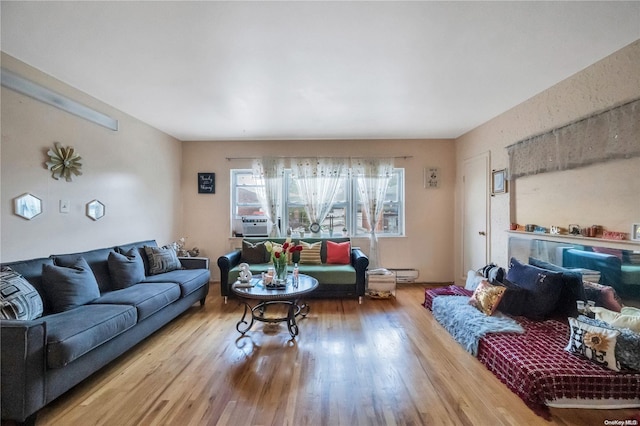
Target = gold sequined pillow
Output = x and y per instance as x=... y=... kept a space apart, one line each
x=486 y=297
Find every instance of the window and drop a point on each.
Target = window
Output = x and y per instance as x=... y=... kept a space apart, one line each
x=347 y=211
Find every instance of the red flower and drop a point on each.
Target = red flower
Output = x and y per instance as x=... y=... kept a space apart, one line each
x=285 y=246
x=277 y=255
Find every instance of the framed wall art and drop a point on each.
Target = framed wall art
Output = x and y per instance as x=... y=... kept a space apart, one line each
x=206 y=183
x=499 y=181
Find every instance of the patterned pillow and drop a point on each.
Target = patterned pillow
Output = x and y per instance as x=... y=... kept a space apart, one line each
x=254 y=253
x=486 y=297
x=310 y=253
x=162 y=259
x=627 y=345
x=597 y=344
x=18 y=299
x=617 y=319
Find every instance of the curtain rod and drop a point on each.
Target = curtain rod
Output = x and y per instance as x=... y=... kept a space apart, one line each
x=404 y=157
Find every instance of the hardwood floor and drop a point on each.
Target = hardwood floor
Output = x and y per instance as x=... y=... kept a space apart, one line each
x=384 y=362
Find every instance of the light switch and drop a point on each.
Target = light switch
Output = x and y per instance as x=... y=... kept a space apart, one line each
x=64 y=206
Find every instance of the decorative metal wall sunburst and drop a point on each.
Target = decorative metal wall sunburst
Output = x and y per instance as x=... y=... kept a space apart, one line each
x=63 y=162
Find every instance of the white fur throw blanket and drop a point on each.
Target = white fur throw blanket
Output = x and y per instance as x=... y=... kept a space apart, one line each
x=467 y=324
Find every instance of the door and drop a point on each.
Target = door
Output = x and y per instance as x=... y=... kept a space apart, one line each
x=475 y=220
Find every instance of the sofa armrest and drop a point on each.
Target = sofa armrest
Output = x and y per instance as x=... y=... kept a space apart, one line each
x=22 y=368
x=226 y=263
x=360 y=262
x=194 y=262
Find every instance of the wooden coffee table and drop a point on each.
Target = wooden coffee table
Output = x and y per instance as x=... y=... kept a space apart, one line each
x=289 y=296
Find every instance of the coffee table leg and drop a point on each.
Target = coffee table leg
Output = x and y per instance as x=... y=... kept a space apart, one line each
x=243 y=326
x=291 y=319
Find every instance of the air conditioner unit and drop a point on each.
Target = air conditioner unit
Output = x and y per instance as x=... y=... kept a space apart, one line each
x=254 y=226
x=406 y=275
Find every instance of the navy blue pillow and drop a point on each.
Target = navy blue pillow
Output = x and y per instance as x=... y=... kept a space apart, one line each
x=544 y=288
x=67 y=287
x=572 y=289
x=515 y=300
x=126 y=268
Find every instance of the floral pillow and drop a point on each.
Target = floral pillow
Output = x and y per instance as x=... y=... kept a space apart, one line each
x=627 y=344
x=597 y=344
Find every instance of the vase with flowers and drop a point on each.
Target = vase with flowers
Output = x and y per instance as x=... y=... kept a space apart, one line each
x=280 y=256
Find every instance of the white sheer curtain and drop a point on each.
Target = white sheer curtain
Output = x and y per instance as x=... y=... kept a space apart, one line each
x=317 y=180
x=270 y=172
x=373 y=176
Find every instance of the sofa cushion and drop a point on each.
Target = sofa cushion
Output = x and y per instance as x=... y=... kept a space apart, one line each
x=146 y=298
x=572 y=288
x=310 y=253
x=594 y=343
x=254 y=252
x=126 y=268
x=333 y=274
x=162 y=259
x=97 y=261
x=189 y=280
x=18 y=298
x=73 y=333
x=339 y=253
x=544 y=287
x=67 y=287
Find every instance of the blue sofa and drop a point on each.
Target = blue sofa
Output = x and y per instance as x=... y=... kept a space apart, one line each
x=43 y=358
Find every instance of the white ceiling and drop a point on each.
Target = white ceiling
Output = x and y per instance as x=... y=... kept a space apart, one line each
x=315 y=70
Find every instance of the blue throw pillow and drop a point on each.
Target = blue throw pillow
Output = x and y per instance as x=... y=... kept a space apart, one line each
x=543 y=287
x=67 y=287
x=126 y=268
x=572 y=288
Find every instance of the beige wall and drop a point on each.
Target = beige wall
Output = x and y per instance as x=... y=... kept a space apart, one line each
x=599 y=194
x=135 y=172
x=429 y=221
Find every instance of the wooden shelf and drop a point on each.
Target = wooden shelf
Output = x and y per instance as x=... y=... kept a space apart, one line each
x=579 y=239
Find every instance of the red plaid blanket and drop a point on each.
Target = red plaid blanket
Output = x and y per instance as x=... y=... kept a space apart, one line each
x=535 y=366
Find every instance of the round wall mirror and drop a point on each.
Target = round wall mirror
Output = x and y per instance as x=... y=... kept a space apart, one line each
x=95 y=209
x=27 y=206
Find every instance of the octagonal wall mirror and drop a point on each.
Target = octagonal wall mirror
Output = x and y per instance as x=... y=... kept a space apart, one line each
x=27 y=206
x=95 y=209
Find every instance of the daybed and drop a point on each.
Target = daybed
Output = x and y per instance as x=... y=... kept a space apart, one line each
x=95 y=305
x=533 y=362
x=336 y=277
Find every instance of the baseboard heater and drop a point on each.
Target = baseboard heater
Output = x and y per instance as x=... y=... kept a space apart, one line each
x=406 y=275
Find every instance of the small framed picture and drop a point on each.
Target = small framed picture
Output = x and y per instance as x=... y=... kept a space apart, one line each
x=206 y=183
x=635 y=231
x=499 y=181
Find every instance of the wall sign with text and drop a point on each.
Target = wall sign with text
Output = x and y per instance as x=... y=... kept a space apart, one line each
x=206 y=183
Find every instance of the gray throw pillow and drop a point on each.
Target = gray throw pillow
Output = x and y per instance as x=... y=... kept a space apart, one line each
x=162 y=259
x=126 y=269
x=67 y=287
x=18 y=298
